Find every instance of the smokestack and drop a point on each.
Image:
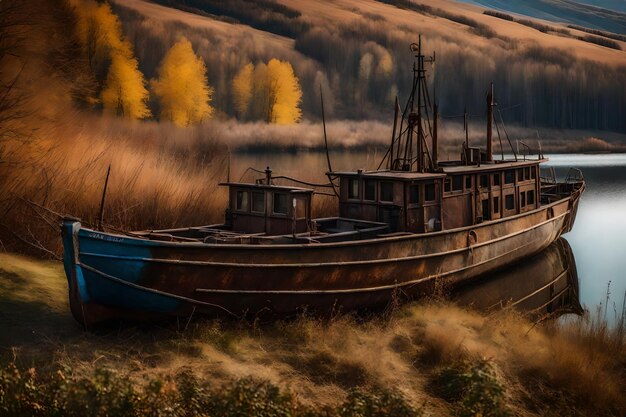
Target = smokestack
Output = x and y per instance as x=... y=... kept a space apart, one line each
x=489 y=123
x=435 y=141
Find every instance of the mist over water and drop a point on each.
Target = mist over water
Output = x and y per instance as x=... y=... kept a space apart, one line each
x=598 y=239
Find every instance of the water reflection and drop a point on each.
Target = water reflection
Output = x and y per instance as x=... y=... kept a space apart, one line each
x=542 y=286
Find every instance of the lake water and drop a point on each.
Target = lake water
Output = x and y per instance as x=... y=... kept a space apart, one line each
x=598 y=239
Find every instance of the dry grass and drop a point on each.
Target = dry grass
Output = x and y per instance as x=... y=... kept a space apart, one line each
x=571 y=368
x=155 y=179
x=161 y=176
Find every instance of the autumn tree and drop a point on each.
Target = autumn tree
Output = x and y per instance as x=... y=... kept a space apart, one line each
x=284 y=93
x=260 y=93
x=242 y=89
x=111 y=59
x=182 y=88
x=100 y=32
x=125 y=93
x=269 y=92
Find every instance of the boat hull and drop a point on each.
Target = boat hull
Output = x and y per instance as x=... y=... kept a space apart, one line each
x=118 y=276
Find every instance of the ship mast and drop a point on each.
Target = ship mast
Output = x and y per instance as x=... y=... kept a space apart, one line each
x=409 y=150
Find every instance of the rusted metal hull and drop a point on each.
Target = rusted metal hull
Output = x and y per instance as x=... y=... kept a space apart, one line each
x=117 y=276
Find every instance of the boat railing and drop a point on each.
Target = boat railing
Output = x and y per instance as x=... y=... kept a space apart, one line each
x=549 y=176
x=574 y=175
x=525 y=147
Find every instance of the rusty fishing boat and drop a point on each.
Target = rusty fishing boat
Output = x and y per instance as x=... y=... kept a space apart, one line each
x=401 y=228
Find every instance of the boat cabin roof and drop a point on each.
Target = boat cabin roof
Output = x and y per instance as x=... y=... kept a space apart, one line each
x=446 y=168
x=489 y=166
x=268 y=187
x=391 y=175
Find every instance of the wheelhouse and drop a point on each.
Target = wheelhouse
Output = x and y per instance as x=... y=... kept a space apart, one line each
x=268 y=209
x=491 y=191
x=455 y=196
x=406 y=201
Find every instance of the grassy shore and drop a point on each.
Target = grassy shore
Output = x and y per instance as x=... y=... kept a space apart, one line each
x=427 y=358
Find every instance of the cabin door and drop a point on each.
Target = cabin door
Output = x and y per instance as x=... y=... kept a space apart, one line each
x=486 y=209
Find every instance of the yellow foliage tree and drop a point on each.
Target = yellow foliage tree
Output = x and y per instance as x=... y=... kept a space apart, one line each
x=283 y=92
x=261 y=106
x=100 y=32
x=182 y=87
x=242 y=89
x=125 y=93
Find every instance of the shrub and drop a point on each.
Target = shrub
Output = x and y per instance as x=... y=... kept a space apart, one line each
x=499 y=15
x=473 y=387
x=608 y=43
x=385 y=403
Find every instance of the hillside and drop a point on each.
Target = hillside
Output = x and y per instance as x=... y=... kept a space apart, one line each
x=591 y=14
x=545 y=74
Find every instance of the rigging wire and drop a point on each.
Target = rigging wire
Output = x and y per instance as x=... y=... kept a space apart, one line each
x=248 y=170
x=396 y=139
x=330 y=169
x=500 y=139
x=312 y=184
x=507 y=135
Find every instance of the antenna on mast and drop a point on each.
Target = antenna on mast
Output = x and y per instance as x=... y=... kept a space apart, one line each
x=490 y=104
x=415 y=126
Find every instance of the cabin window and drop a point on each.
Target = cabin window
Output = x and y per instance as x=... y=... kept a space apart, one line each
x=370 y=190
x=414 y=194
x=447 y=186
x=530 y=197
x=496 y=205
x=386 y=191
x=429 y=191
x=281 y=205
x=520 y=174
x=457 y=183
x=522 y=199
x=468 y=182
x=496 y=179
x=509 y=176
x=484 y=181
x=533 y=173
x=353 y=188
x=509 y=202
x=258 y=202
x=527 y=173
x=242 y=201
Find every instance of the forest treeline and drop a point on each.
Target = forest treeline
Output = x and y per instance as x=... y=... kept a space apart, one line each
x=178 y=89
x=365 y=62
